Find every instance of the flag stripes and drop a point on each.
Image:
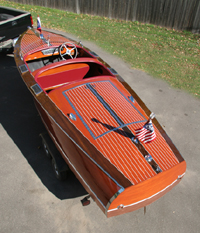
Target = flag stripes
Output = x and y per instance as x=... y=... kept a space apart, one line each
x=146 y=134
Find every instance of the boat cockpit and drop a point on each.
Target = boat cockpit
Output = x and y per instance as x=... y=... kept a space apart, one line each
x=53 y=66
x=53 y=54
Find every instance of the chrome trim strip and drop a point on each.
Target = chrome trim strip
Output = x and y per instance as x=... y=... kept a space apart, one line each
x=113 y=198
x=93 y=53
x=113 y=71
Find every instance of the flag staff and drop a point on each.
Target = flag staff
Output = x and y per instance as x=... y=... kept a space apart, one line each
x=146 y=133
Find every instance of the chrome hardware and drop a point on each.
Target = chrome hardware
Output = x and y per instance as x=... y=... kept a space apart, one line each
x=48 y=40
x=179 y=177
x=36 y=89
x=152 y=115
x=72 y=116
x=134 y=139
x=158 y=169
x=114 y=196
x=121 y=206
x=131 y=98
x=148 y=158
x=23 y=68
x=14 y=41
x=80 y=43
x=113 y=71
x=94 y=54
x=20 y=54
x=153 y=164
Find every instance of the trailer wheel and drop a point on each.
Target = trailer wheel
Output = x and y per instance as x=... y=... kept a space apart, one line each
x=46 y=150
x=60 y=175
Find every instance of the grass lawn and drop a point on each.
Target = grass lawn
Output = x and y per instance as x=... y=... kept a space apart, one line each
x=163 y=53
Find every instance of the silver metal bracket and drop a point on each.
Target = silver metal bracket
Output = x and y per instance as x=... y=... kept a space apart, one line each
x=23 y=68
x=36 y=89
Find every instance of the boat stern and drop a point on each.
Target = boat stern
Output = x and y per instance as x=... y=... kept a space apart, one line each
x=146 y=192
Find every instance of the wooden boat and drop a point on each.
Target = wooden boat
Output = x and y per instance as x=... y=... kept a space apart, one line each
x=92 y=115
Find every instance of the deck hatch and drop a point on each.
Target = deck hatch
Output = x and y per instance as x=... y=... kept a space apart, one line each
x=98 y=113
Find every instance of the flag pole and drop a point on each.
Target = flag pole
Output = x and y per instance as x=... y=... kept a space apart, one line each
x=152 y=115
x=39 y=28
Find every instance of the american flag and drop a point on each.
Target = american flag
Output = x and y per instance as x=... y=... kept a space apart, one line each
x=146 y=134
x=38 y=24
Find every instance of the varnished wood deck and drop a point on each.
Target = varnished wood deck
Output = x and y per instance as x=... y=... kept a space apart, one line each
x=98 y=117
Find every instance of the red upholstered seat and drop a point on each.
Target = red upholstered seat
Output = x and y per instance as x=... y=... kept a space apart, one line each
x=60 y=75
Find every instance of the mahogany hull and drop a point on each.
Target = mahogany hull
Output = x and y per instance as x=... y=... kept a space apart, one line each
x=112 y=185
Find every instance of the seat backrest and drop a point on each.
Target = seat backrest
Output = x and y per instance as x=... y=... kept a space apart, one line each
x=60 y=75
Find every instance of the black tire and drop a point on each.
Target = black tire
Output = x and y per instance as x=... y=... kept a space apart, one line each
x=46 y=150
x=60 y=175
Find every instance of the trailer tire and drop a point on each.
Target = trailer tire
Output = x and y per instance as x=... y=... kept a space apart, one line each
x=46 y=150
x=60 y=175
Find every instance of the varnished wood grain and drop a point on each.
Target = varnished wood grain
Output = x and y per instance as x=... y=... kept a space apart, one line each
x=100 y=177
x=148 y=191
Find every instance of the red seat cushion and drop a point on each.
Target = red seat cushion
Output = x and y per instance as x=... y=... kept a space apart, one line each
x=61 y=75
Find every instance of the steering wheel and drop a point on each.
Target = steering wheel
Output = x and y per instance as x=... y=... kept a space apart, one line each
x=68 y=48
